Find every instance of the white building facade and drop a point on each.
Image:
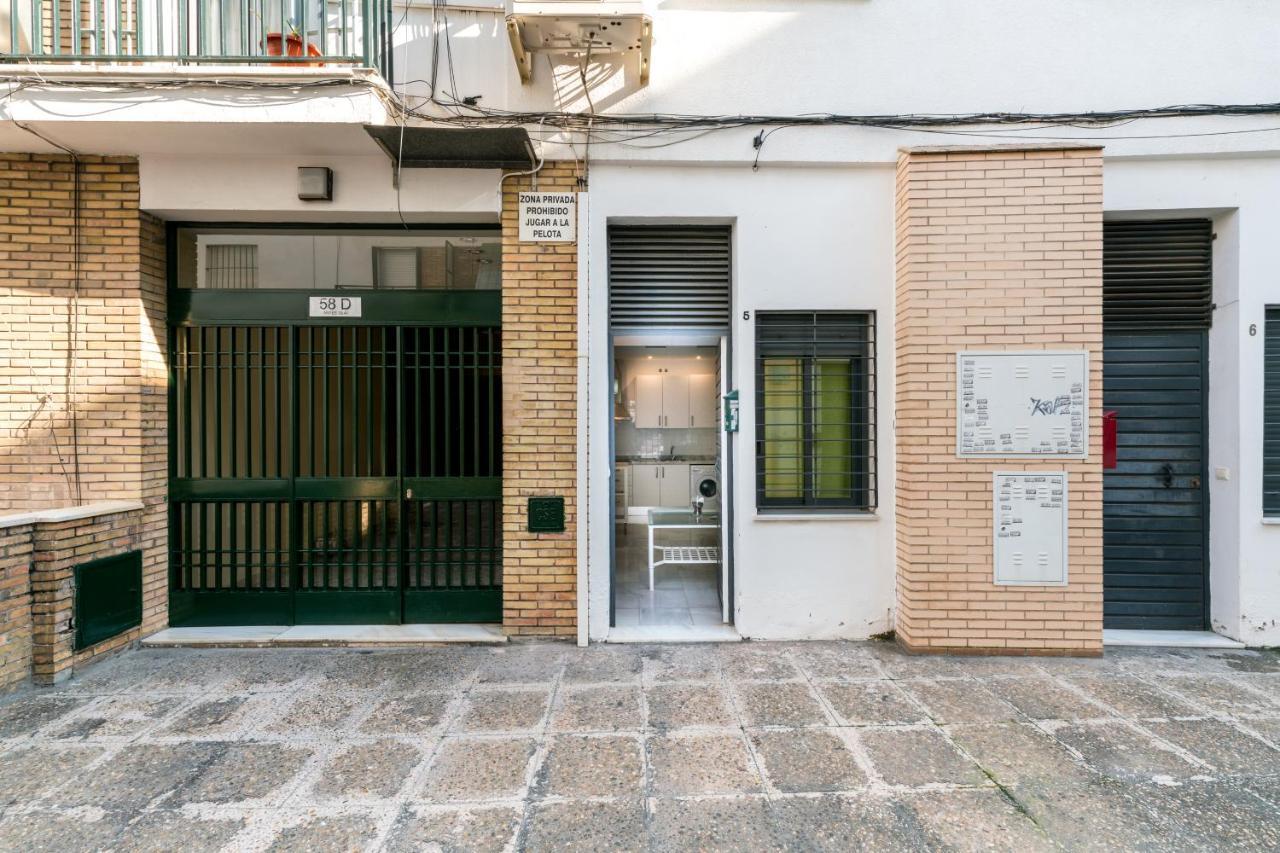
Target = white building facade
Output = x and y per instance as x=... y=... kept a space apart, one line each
x=802 y=133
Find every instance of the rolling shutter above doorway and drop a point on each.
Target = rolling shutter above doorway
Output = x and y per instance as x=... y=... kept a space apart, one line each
x=669 y=277
x=1158 y=272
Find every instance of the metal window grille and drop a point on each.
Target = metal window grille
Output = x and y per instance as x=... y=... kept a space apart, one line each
x=1271 y=415
x=231 y=266
x=669 y=277
x=1157 y=274
x=815 y=410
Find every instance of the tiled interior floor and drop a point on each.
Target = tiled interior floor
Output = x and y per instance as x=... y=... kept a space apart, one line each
x=682 y=595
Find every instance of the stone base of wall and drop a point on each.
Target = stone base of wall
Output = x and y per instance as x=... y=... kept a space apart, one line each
x=996 y=651
x=38 y=556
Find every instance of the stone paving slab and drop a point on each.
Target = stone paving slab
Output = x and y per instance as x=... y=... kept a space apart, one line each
x=544 y=746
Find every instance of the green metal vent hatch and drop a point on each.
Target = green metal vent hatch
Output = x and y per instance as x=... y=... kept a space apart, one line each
x=108 y=598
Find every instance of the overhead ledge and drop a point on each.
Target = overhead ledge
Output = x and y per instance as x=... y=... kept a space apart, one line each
x=455 y=147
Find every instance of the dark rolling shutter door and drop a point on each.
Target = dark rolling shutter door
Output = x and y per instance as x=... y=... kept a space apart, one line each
x=669 y=277
x=1271 y=416
x=1157 y=306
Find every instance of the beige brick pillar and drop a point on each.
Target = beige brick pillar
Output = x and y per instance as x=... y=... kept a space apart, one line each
x=996 y=249
x=539 y=415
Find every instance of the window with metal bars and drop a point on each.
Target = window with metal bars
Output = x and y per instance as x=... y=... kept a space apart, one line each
x=232 y=266
x=815 y=410
x=1271 y=414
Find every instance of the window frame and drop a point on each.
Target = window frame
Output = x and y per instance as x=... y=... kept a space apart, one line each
x=241 y=272
x=1271 y=400
x=862 y=396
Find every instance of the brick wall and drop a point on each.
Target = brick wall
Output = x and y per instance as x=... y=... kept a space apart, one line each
x=539 y=412
x=58 y=547
x=115 y=384
x=153 y=419
x=15 y=605
x=996 y=249
x=38 y=555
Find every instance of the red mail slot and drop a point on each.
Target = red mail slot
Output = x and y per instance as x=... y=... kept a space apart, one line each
x=1108 y=439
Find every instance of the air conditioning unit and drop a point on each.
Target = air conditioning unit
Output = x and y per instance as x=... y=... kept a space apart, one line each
x=580 y=28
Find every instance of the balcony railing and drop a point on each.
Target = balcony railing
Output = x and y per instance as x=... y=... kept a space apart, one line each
x=258 y=32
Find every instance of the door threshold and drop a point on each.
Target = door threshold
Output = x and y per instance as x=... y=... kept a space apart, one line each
x=673 y=634
x=1168 y=639
x=301 y=636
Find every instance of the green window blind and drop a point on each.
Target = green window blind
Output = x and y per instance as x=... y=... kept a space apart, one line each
x=815 y=410
x=1271 y=415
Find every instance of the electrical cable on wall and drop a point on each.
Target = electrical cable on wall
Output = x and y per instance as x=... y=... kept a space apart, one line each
x=468 y=112
x=73 y=323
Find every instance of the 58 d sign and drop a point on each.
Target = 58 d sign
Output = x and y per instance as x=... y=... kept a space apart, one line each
x=334 y=306
x=548 y=217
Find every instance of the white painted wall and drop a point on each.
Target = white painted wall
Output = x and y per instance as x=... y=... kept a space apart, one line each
x=265 y=189
x=803 y=238
x=800 y=56
x=779 y=57
x=813 y=228
x=1240 y=194
x=788 y=57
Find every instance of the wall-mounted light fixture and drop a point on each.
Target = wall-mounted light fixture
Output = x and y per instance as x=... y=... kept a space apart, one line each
x=315 y=183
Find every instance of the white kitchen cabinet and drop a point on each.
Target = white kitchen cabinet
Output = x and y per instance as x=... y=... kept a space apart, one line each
x=648 y=397
x=675 y=401
x=660 y=485
x=673 y=485
x=664 y=401
x=704 y=406
x=645 y=488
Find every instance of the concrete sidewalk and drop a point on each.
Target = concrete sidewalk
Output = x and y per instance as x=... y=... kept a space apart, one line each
x=540 y=746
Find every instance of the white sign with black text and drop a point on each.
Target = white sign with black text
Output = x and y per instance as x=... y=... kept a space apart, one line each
x=334 y=306
x=548 y=217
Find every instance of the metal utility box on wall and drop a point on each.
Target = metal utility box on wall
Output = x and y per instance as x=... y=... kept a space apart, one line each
x=108 y=598
x=546 y=515
x=1022 y=403
x=1030 y=528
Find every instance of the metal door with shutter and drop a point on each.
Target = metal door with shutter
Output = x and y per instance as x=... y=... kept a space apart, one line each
x=335 y=474
x=1156 y=312
x=1154 y=518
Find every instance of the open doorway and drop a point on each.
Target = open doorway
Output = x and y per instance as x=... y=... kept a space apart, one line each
x=669 y=508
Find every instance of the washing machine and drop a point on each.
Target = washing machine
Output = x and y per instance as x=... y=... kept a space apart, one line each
x=704 y=482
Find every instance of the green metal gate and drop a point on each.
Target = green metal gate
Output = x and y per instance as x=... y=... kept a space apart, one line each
x=334 y=474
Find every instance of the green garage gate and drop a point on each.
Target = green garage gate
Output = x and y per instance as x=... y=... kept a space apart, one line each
x=338 y=471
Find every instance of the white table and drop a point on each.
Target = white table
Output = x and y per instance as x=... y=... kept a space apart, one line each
x=684 y=555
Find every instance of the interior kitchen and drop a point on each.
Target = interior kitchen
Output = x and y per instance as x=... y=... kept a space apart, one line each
x=667 y=556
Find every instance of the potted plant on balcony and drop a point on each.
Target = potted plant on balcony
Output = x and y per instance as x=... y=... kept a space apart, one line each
x=279 y=44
